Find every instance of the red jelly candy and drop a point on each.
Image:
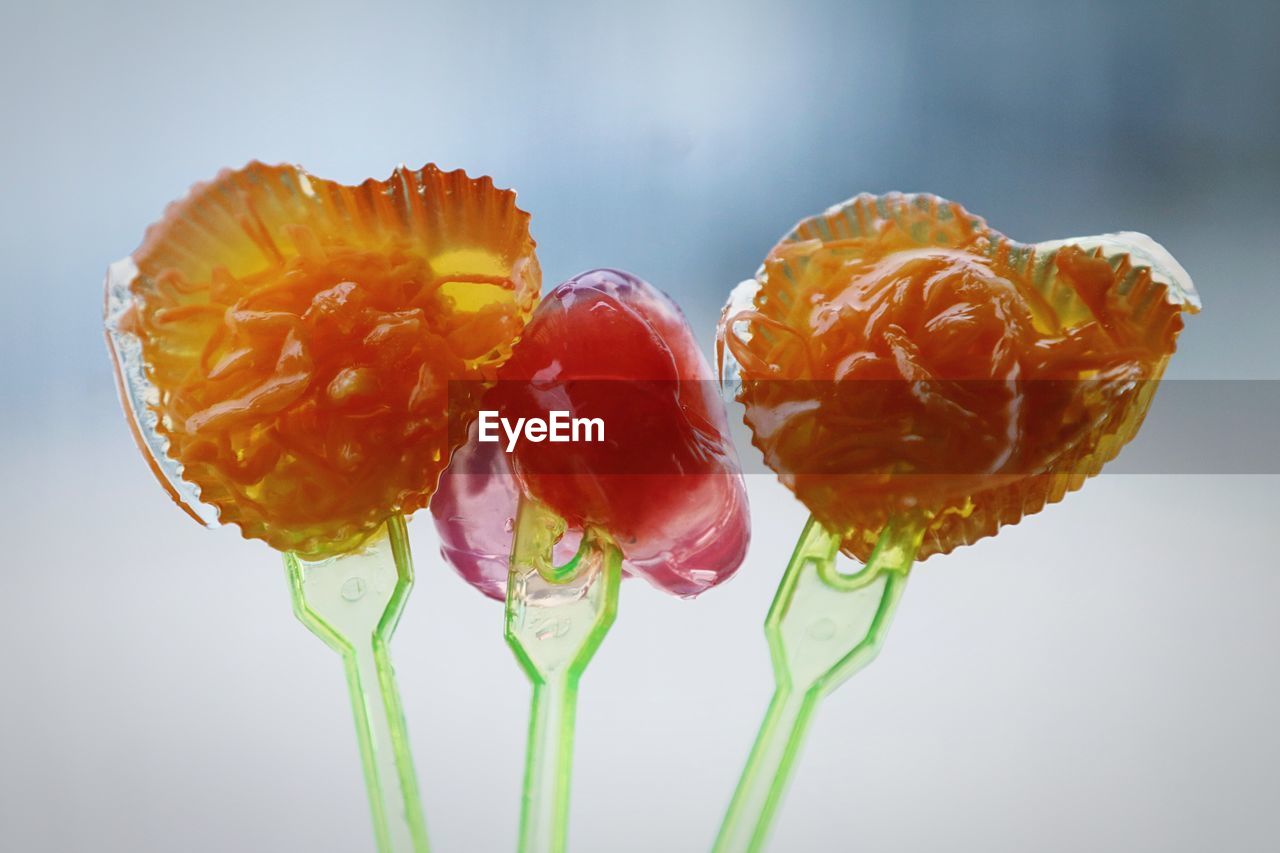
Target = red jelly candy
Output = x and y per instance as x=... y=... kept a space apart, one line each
x=617 y=357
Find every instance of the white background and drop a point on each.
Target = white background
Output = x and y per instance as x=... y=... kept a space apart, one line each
x=1100 y=677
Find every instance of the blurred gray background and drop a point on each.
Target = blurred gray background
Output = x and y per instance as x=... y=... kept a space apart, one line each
x=1100 y=677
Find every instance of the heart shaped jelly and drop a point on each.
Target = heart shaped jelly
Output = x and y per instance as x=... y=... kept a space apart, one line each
x=285 y=344
x=664 y=483
x=898 y=357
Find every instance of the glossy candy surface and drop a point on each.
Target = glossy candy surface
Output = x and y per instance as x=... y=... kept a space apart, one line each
x=293 y=340
x=899 y=357
x=664 y=483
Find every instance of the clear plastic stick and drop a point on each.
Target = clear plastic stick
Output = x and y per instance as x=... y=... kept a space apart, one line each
x=823 y=628
x=557 y=617
x=353 y=603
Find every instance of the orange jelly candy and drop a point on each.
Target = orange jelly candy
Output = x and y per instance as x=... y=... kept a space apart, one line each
x=296 y=339
x=899 y=358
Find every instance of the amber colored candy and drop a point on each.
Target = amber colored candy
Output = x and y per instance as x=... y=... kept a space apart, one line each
x=299 y=337
x=898 y=357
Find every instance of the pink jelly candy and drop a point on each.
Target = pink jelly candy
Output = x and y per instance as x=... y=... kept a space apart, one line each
x=664 y=482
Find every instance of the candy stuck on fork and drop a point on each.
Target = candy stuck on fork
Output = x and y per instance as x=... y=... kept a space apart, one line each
x=283 y=347
x=919 y=380
x=552 y=525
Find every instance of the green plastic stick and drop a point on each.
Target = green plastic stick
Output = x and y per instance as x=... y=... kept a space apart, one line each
x=823 y=628
x=557 y=617
x=353 y=603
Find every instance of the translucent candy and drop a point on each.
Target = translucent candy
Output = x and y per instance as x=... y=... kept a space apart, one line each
x=664 y=483
x=285 y=343
x=896 y=356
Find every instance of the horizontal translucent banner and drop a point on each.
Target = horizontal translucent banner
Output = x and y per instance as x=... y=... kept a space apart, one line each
x=926 y=427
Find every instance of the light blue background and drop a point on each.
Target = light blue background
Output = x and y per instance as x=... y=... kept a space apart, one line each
x=1100 y=677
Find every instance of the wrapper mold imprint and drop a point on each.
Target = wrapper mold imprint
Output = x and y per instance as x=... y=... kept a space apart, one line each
x=286 y=343
x=898 y=356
